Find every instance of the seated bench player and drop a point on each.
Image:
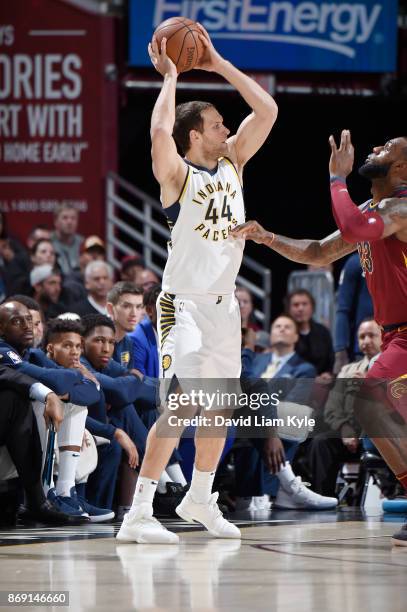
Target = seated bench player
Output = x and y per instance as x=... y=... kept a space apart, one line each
x=99 y=341
x=63 y=344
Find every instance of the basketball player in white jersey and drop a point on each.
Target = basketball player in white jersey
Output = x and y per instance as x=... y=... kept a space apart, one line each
x=198 y=314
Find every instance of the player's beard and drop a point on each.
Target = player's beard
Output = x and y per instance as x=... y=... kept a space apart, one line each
x=372 y=170
x=220 y=150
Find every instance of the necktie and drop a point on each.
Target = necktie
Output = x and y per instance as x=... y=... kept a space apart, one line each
x=272 y=368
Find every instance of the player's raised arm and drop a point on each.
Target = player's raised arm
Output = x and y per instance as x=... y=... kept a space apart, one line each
x=255 y=128
x=389 y=217
x=167 y=164
x=306 y=251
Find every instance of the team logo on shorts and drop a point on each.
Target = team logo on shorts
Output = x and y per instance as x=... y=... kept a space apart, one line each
x=398 y=388
x=166 y=362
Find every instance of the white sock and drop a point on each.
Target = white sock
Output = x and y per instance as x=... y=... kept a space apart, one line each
x=164 y=478
x=175 y=472
x=145 y=490
x=68 y=461
x=201 y=485
x=286 y=475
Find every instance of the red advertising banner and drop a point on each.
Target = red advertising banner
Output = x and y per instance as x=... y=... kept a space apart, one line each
x=58 y=112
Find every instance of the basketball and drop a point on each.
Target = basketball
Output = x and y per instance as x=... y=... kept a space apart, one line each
x=184 y=47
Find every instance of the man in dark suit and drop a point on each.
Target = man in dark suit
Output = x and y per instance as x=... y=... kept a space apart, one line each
x=279 y=367
x=282 y=361
x=18 y=432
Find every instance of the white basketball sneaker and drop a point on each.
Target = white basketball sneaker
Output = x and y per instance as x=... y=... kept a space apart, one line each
x=139 y=525
x=296 y=496
x=208 y=515
x=253 y=504
x=261 y=502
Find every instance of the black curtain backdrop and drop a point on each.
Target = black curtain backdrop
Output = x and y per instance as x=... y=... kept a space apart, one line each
x=286 y=183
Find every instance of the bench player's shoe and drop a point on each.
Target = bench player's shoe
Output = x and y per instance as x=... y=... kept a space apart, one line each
x=400 y=537
x=140 y=526
x=96 y=515
x=297 y=496
x=208 y=515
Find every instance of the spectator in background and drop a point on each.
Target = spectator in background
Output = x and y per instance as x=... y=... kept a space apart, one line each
x=354 y=304
x=245 y=299
x=329 y=449
x=132 y=265
x=92 y=249
x=65 y=238
x=13 y=259
x=315 y=343
x=146 y=279
x=125 y=307
x=98 y=282
x=9 y=245
x=42 y=252
x=46 y=282
x=279 y=368
x=283 y=360
x=38 y=232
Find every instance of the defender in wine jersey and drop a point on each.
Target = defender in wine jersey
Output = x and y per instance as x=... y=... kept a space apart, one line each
x=198 y=314
x=378 y=229
x=384 y=263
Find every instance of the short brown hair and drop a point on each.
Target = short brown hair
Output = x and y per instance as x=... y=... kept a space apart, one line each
x=188 y=116
x=122 y=288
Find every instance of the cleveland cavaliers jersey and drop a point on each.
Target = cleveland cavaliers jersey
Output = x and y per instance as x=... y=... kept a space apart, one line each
x=202 y=258
x=384 y=263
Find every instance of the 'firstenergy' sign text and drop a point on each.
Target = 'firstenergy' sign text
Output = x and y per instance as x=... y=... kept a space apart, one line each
x=292 y=35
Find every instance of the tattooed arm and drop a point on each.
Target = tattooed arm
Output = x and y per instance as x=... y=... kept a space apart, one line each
x=316 y=252
x=394 y=214
x=321 y=252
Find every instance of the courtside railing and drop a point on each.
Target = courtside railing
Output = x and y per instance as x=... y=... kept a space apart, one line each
x=135 y=224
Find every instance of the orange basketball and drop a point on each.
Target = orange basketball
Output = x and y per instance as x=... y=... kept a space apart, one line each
x=183 y=44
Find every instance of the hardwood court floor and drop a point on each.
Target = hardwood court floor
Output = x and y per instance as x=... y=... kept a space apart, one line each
x=286 y=562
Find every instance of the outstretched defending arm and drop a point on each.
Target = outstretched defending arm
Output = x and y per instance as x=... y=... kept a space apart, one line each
x=355 y=225
x=306 y=251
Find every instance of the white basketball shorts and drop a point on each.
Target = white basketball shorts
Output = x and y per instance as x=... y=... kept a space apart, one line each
x=199 y=336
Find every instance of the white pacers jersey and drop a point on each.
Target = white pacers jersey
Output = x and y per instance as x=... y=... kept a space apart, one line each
x=202 y=259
